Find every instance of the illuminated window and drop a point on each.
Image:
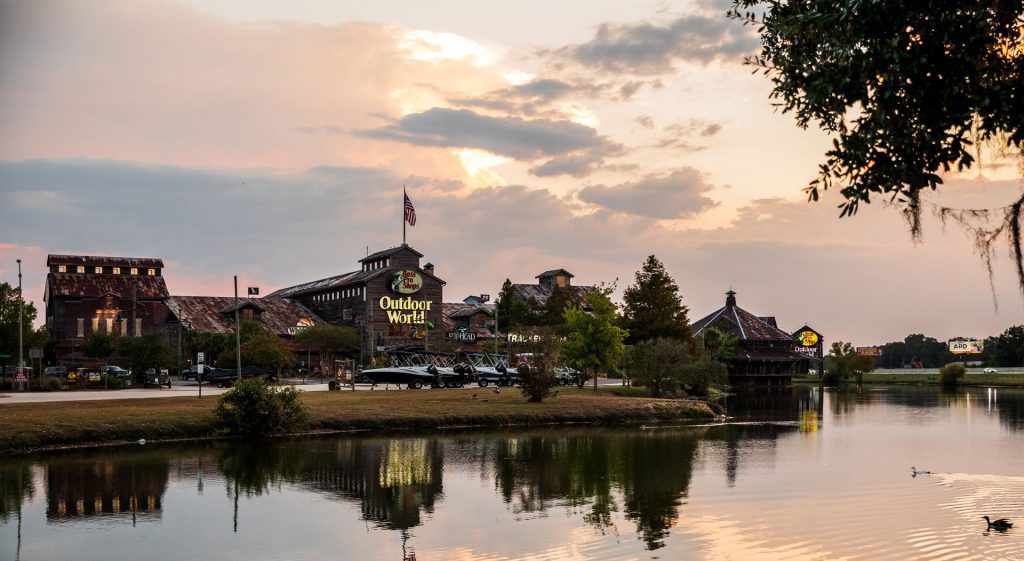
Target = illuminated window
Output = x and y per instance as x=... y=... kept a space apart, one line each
x=124 y=327
x=80 y=269
x=98 y=270
x=151 y=272
x=138 y=326
x=95 y=325
x=134 y=271
x=62 y=268
x=110 y=325
x=81 y=327
x=117 y=270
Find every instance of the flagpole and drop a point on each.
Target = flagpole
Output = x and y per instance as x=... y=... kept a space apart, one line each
x=403 y=214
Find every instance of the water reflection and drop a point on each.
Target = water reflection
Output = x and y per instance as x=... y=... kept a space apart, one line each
x=676 y=489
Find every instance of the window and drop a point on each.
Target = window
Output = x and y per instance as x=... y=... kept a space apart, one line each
x=95 y=324
x=110 y=325
x=98 y=270
x=134 y=271
x=124 y=327
x=117 y=270
x=138 y=326
x=81 y=327
x=62 y=268
x=80 y=269
x=151 y=272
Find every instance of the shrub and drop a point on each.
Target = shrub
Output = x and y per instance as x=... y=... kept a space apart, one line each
x=252 y=407
x=950 y=374
x=113 y=382
x=537 y=375
x=51 y=384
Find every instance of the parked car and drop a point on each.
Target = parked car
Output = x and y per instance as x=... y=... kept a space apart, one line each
x=990 y=371
x=114 y=370
x=156 y=377
x=192 y=372
x=55 y=371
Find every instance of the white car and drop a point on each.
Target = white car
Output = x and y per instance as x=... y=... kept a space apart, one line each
x=990 y=371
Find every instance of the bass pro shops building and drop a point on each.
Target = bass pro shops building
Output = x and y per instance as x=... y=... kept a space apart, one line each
x=391 y=300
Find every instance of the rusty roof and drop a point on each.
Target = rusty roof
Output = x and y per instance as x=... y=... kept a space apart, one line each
x=208 y=314
x=541 y=293
x=103 y=261
x=741 y=323
x=454 y=311
x=93 y=286
x=355 y=277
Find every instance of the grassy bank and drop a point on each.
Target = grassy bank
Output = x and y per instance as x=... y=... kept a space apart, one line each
x=929 y=378
x=32 y=426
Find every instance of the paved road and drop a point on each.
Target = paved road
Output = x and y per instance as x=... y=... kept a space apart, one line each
x=185 y=389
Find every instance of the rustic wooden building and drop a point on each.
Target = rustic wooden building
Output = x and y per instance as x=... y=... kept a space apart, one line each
x=96 y=294
x=468 y=324
x=391 y=300
x=765 y=354
x=547 y=282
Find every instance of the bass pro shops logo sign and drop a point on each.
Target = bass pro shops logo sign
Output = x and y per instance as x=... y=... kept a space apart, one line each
x=406 y=281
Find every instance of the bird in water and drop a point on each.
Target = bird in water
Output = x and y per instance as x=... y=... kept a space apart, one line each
x=1001 y=524
x=141 y=441
x=914 y=472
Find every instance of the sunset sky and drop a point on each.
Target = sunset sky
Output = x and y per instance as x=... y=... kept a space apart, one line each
x=272 y=140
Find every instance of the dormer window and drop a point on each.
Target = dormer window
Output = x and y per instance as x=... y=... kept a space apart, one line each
x=80 y=269
x=62 y=268
x=98 y=270
x=151 y=272
x=117 y=270
x=134 y=270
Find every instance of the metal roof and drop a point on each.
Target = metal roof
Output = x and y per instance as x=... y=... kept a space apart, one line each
x=355 y=277
x=743 y=324
x=554 y=272
x=93 y=286
x=104 y=261
x=210 y=314
x=541 y=293
x=386 y=252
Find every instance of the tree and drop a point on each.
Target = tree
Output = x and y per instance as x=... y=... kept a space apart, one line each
x=594 y=340
x=99 y=345
x=327 y=340
x=9 y=321
x=513 y=311
x=1010 y=347
x=268 y=351
x=552 y=314
x=657 y=364
x=150 y=350
x=951 y=374
x=653 y=308
x=843 y=362
x=719 y=345
x=908 y=91
x=537 y=375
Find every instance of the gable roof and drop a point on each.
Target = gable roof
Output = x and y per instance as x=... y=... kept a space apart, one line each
x=541 y=293
x=209 y=314
x=742 y=324
x=104 y=261
x=94 y=286
x=554 y=272
x=387 y=252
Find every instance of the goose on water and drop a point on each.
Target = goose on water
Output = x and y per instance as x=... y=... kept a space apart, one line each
x=915 y=471
x=1001 y=524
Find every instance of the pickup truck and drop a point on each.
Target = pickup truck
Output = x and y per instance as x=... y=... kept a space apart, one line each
x=224 y=377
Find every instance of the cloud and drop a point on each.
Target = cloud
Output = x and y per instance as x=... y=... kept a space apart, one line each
x=679 y=135
x=571 y=147
x=649 y=49
x=677 y=195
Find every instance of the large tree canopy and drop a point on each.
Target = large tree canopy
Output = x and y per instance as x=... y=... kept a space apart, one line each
x=907 y=89
x=653 y=307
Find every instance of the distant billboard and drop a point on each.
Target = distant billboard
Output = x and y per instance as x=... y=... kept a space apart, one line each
x=966 y=347
x=869 y=351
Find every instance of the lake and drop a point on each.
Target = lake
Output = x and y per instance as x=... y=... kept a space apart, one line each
x=796 y=473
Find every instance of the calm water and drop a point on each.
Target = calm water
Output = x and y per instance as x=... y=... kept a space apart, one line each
x=799 y=475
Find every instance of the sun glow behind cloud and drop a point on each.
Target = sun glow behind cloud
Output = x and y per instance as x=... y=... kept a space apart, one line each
x=431 y=46
x=478 y=164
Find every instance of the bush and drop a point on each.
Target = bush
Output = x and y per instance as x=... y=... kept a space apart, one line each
x=950 y=374
x=51 y=384
x=113 y=382
x=252 y=407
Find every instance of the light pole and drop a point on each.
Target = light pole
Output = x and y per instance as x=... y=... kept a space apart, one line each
x=21 y=329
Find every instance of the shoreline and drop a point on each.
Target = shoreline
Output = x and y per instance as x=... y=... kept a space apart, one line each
x=930 y=379
x=53 y=426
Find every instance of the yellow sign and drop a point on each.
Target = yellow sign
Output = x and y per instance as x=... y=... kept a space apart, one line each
x=807 y=338
x=405 y=310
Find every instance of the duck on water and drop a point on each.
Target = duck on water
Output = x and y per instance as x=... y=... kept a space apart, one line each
x=1001 y=524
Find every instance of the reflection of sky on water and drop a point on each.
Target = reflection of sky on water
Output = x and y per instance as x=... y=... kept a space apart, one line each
x=828 y=479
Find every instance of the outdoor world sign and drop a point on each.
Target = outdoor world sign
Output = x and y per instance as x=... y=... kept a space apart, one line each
x=405 y=310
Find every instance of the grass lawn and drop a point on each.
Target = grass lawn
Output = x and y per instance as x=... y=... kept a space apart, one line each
x=30 y=426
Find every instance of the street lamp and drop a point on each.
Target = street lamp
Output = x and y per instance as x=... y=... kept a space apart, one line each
x=21 y=329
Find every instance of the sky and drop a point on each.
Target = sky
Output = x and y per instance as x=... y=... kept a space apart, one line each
x=272 y=140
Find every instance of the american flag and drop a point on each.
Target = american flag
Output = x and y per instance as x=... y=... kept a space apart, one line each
x=410 y=213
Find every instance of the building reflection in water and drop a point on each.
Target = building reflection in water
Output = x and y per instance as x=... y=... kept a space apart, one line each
x=101 y=483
